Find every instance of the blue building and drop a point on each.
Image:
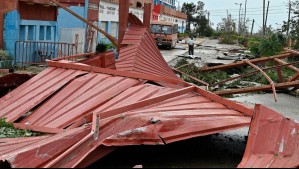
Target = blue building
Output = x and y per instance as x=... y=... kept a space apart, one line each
x=167 y=3
x=37 y=31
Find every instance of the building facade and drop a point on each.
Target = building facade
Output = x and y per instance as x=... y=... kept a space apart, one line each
x=108 y=17
x=167 y=3
x=36 y=29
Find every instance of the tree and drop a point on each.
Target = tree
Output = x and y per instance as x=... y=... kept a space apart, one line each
x=202 y=26
x=191 y=9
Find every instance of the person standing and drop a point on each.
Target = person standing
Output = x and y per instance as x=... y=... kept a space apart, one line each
x=191 y=46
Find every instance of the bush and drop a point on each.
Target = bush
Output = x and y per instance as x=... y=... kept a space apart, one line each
x=3 y=55
x=7 y=130
x=102 y=47
x=265 y=47
x=230 y=40
x=270 y=46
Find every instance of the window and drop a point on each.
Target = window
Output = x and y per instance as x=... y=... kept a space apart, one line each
x=156 y=28
x=42 y=33
x=46 y=33
x=30 y=33
x=22 y=32
x=27 y=33
x=104 y=27
x=49 y=33
x=114 y=28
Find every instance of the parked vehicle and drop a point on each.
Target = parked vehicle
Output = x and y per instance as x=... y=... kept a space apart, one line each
x=165 y=33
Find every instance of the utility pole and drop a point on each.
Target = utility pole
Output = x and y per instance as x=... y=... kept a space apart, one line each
x=252 y=27
x=209 y=18
x=239 y=17
x=245 y=18
x=289 y=20
x=264 y=6
x=267 y=15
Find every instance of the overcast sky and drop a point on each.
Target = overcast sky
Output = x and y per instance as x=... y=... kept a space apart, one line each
x=278 y=11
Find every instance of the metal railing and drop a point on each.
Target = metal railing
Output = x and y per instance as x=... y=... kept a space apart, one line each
x=36 y=53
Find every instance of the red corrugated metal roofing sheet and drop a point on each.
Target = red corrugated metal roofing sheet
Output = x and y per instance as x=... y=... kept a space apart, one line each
x=143 y=56
x=118 y=108
x=35 y=91
x=273 y=141
x=162 y=115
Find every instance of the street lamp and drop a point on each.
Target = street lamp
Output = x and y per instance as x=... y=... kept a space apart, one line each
x=239 y=16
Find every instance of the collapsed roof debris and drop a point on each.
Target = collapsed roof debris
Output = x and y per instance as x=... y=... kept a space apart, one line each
x=89 y=110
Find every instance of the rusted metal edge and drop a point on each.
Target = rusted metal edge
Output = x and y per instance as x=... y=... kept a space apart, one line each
x=254 y=72
x=294 y=78
x=281 y=62
x=259 y=88
x=266 y=76
x=254 y=61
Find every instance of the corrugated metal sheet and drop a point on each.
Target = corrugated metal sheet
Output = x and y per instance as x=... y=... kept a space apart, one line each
x=35 y=91
x=41 y=150
x=142 y=55
x=273 y=141
x=131 y=113
x=101 y=109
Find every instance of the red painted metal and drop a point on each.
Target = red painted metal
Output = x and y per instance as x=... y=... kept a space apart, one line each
x=123 y=20
x=294 y=78
x=147 y=15
x=92 y=110
x=266 y=76
x=273 y=141
x=34 y=92
x=144 y=56
x=37 y=154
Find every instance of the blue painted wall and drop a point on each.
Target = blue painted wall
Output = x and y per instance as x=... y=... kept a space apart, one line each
x=16 y=29
x=11 y=31
x=66 y=20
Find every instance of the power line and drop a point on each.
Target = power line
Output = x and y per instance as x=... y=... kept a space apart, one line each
x=255 y=14
x=214 y=10
x=224 y=11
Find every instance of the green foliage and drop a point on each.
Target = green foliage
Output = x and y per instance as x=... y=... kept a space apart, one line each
x=270 y=46
x=7 y=130
x=219 y=75
x=3 y=55
x=202 y=26
x=102 y=47
x=182 y=35
x=228 y=40
x=190 y=9
x=266 y=47
x=209 y=77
